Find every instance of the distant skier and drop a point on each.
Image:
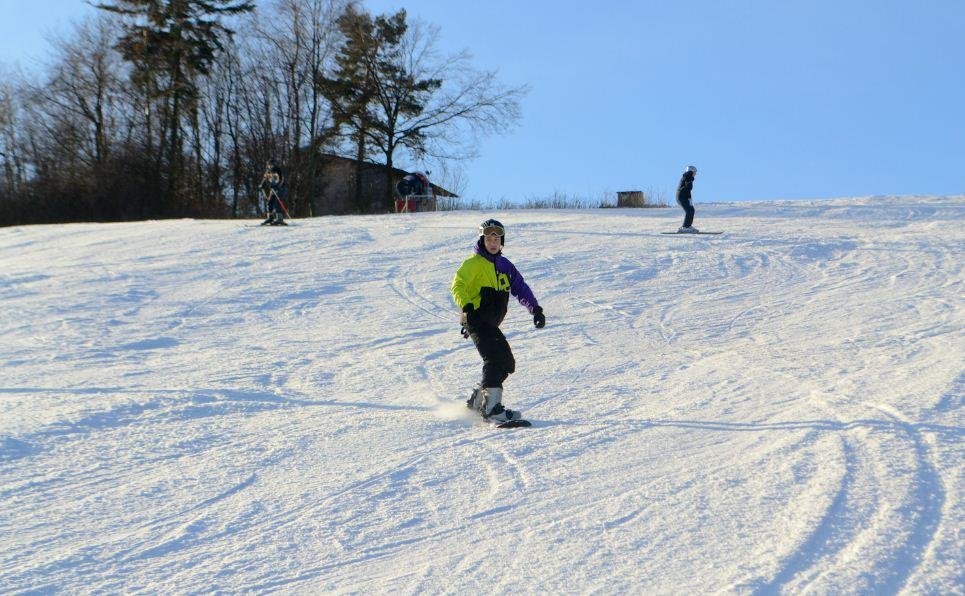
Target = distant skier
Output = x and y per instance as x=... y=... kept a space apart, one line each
x=684 y=200
x=271 y=185
x=481 y=289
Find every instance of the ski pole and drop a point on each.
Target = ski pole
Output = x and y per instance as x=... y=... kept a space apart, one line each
x=280 y=202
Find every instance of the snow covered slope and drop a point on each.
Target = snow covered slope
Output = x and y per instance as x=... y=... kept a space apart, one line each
x=194 y=406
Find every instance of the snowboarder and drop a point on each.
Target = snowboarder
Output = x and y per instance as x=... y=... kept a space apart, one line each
x=684 y=200
x=271 y=185
x=481 y=289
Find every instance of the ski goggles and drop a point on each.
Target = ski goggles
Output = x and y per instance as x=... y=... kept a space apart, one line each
x=492 y=231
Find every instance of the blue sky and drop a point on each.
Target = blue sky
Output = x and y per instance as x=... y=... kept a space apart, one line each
x=770 y=99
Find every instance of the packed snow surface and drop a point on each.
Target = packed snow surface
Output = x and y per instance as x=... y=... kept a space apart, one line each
x=212 y=406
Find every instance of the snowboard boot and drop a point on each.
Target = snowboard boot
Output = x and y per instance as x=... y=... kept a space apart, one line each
x=475 y=401
x=493 y=408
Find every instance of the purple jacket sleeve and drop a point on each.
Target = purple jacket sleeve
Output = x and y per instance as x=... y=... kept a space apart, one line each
x=518 y=287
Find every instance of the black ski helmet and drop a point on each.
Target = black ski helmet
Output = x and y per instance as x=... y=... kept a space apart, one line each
x=493 y=223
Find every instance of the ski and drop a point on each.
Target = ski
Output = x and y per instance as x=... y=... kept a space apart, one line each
x=690 y=233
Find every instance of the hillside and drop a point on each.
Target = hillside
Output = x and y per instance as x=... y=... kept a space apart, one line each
x=198 y=406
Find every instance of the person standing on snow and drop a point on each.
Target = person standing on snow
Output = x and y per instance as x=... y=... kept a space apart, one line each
x=481 y=289
x=684 y=200
x=271 y=185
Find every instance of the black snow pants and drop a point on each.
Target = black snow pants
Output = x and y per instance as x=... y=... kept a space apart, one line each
x=274 y=205
x=688 y=208
x=498 y=361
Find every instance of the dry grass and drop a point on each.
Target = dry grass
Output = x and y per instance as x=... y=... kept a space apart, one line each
x=557 y=201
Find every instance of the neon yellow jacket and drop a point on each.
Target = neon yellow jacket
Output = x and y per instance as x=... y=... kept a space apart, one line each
x=486 y=281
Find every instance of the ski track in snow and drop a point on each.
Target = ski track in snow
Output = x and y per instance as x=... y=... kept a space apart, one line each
x=202 y=406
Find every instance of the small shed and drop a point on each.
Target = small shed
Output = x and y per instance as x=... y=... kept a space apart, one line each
x=335 y=188
x=630 y=198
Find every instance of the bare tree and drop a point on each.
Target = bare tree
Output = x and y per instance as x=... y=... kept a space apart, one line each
x=172 y=43
x=417 y=99
x=70 y=118
x=211 y=132
x=86 y=84
x=470 y=104
x=207 y=108
x=299 y=38
x=11 y=159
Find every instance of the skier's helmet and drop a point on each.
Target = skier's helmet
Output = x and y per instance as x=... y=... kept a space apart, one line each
x=492 y=226
x=692 y=169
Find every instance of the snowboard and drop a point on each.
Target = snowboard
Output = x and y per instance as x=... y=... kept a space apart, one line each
x=690 y=233
x=518 y=423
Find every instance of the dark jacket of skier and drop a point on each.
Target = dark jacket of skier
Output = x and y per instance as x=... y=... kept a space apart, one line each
x=272 y=179
x=684 y=199
x=272 y=184
x=686 y=186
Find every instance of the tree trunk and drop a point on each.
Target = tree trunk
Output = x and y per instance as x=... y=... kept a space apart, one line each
x=389 y=190
x=359 y=164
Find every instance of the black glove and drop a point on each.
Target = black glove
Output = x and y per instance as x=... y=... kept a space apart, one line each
x=538 y=318
x=467 y=316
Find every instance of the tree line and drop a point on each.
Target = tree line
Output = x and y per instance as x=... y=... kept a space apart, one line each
x=170 y=108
